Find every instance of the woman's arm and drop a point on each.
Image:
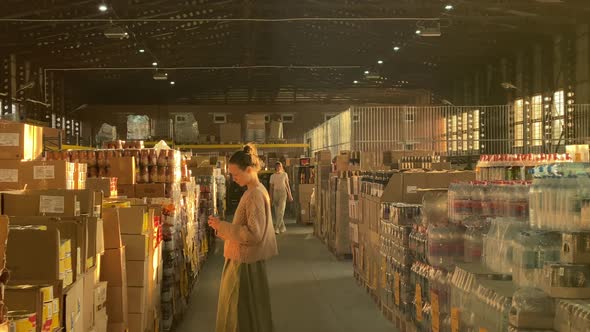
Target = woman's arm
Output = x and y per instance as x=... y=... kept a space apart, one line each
x=253 y=230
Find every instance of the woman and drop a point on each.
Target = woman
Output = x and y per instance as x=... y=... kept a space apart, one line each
x=280 y=191
x=244 y=299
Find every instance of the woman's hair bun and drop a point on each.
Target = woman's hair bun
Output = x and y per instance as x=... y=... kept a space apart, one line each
x=247 y=149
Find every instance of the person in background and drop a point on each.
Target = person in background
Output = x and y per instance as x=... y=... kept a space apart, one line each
x=280 y=191
x=244 y=296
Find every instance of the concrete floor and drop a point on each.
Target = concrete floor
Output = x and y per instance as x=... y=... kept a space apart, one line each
x=311 y=291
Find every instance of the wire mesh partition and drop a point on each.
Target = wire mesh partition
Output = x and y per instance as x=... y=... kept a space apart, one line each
x=449 y=130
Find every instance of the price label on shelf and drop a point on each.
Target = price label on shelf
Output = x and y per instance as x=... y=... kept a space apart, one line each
x=418 y=302
x=396 y=288
x=455 y=316
x=435 y=312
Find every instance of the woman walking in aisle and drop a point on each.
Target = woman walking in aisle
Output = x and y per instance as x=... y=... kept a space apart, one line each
x=280 y=191
x=244 y=297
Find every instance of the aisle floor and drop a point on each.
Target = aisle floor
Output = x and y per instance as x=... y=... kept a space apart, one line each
x=311 y=291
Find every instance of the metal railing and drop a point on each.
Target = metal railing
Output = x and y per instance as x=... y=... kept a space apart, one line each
x=448 y=130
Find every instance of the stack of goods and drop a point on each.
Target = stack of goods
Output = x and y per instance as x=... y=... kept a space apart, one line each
x=397 y=220
x=221 y=192
x=420 y=162
x=514 y=166
x=18 y=142
x=304 y=186
x=207 y=207
x=140 y=172
x=53 y=263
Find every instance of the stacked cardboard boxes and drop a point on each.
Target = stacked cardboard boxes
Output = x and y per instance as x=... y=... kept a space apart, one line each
x=18 y=142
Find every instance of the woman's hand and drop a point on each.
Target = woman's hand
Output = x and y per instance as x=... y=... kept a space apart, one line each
x=290 y=198
x=214 y=222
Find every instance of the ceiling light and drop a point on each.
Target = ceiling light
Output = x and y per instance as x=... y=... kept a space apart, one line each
x=172 y=83
x=380 y=62
x=159 y=76
x=355 y=82
x=154 y=64
x=449 y=7
x=418 y=32
x=103 y=8
x=366 y=72
x=116 y=32
x=396 y=48
x=142 y=51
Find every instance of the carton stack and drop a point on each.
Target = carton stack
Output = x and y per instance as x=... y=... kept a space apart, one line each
x=134 y=234
x=113 y=270
x=18 y=142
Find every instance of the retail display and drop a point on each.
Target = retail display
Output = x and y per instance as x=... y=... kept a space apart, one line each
x=514 y=166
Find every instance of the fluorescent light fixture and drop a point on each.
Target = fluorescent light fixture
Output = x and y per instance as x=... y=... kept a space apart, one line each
x=102 y=7
x=380 y=62
x=154 y=64
x=449 y=7
x=366 y=72
x=396 y=48
x=141 y=50
x=159 y=76
x=172 y=83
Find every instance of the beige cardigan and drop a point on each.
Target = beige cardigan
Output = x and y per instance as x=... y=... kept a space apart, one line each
x=251 y=235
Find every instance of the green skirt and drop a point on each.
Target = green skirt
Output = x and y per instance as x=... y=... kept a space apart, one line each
x=244 y=298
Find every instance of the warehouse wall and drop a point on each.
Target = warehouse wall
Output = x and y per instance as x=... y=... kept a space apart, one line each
x=306 y=116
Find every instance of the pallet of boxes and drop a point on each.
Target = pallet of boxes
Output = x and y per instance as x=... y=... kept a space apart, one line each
x=56 y=238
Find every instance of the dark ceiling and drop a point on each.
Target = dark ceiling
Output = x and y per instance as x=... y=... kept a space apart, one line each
x=473 y=32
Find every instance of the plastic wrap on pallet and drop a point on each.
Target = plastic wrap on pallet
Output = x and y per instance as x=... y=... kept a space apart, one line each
x=532 y=308
x=531 y=249
x=186 y=128
x=138 y=127
x=106 y=133
x=445 y=245
x=498 y=244
x=572 y=315
x=435 y=208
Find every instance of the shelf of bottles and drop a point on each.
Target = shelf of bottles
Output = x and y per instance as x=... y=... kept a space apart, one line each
x=515 y=166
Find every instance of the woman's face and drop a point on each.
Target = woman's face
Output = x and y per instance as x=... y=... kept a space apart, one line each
x=278 y=167
x=241 y=177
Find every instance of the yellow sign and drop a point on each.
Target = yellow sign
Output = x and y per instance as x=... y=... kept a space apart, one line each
x=396 y=287
x=455 y=316
x=418 y=302
x=435 y=312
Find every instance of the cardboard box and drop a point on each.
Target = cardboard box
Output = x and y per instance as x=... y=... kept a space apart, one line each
x=53 y=174
x=88 y=300
x=117 y=327
x=113 y=267
x=405 y=187
x=75 y=229
x=137 y=246
x=19 y=141
x=90 y=202
x=100 y=295
x=108 y=186
x=126 y=190
x=59 y=203
x=117 y=307
x=73 y=304
x=133 y=220
x=230 y=132
x=101 y=320
x=123 y=168
x=10 y=175
x=136 y=297
x=30 y=298
x=111 y=228
x=150 y=190
x=137 y=272
x=33 y=255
